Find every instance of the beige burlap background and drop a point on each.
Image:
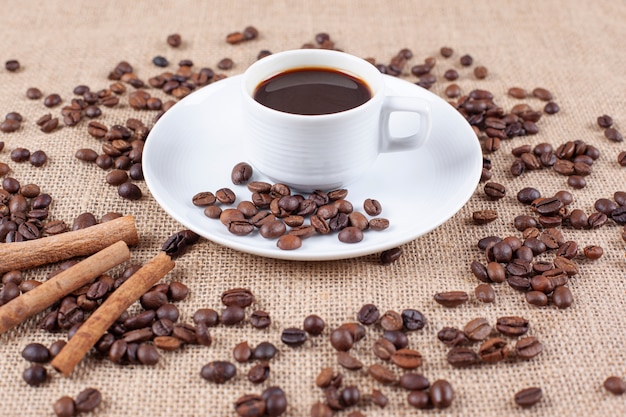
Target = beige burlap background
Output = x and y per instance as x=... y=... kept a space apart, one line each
x=573 y=48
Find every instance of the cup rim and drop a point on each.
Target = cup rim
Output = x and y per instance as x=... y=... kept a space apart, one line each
x=372 y=78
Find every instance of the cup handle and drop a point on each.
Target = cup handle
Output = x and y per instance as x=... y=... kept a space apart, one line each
x=407 y=104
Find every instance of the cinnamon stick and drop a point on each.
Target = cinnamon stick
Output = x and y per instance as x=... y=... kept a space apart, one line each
x=39 y=298
x=83 y=242
x=104 y=316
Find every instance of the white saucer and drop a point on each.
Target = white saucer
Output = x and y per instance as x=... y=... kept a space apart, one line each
x=195 y=145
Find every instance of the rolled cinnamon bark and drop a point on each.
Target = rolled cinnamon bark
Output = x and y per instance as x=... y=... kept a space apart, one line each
x=83 y=242
x=43 y=296
x=104 y=316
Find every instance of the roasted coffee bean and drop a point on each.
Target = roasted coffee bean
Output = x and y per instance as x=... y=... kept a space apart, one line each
x=241 y=297
x=368 y=314
x=528 y=195
x=528 y=397
x=528 y=347
x=412 y=319
x=372 y=207
x=512 y=325
x=242 y=352
x=259 y=373
x=36 y=352
x=129 y=191
x=289 y=242
x=398 y=338
x=605 y=121
x=313 y=325
x=260 y=319
x=325 y=377
x=494 y=190
x=64 y=407
x=232 y=315
x=52 y=100
x=477 y=329
x=619 y=215
x=35 y=375
x=391 y=320
x=481 y=217
x=350 y=396
x=451 y=298
x=341 y=339
x=406 y=358
x=177 y=243
x=485 y=293
x=462 y=357
x=615 y=385
x=383 y=348
x=596 y=220
x=414 y=382
x=218 y=372
x=348 y=361
x=452 y=337
x=441 y=394
x=593 y=252
x=493 y=350
x=153 y=300
x=419 y=400
x=382 y=374
x=562 y=297
x=88 y=400
x=275 y=401
x=293 y=337
x=466 y=60
x=320 y=409
x=537 y=298
x=264 y=351
x=378 y=224
x=613 y=135
x=204 y=198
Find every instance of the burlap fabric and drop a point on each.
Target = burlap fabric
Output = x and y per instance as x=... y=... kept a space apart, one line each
x=575 y=49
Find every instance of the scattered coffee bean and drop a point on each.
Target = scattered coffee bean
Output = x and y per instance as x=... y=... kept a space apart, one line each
x=313 y=325
x=218 y=372
x=35 y=375
x=528 y=397
x=451 y=298
x=88 y=400
x=12 y=65
x=481 y=217
x=615 y=385
x=441 y=394
x=64 y=407
x=174 y=40
x=293 y=337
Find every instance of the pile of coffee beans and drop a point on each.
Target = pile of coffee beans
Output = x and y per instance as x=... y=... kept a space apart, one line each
x=275 y=213
x=86 y=401
x=493 y=345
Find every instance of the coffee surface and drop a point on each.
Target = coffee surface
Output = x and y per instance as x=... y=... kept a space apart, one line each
x=312 y=91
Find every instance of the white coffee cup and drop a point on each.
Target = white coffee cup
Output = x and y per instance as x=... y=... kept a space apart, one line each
x=324 y=151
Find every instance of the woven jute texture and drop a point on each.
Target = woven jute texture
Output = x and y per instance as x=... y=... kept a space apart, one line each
x=573 y=48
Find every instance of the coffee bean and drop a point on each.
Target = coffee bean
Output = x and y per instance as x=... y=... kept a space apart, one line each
x=605 y=121
x=88 y=400
x=35 y=375
x=313 y=325
x=528 y=397
x=494 y=191
x=260 y=319
x=537 y=298
x=241 y=173
x=528 y=347
x=348 y=361
x=593 y=252
x=480 y=72
x=485 y=293
x=451 y=298
x=562 y=297
x=275 y=401
x=218 y=372
x=325 y=377
x=64 y=407
x=177 y=243
x=466 y=60
x=477 y=329
x=493 y=350
x=350 y=234
x=413 y=319
x=398 y=338
x=462 y=357
x=378 y=224
x=615 y=385
x=259 y=373
x=242 y=297
x=372 y=207
x=368 y=314
x=289 y=242
x=441 y=394
x=621 y=158
x=129 y=191
x=406 y=358
x=613 y=135
x=512 y=325
x=383 y=348
x=293 y=337
x=481 y=217
x=452 y=337
x=382 y=374
x=341 y=339
x=232 y=315
x=250 y=405
x=203 y=198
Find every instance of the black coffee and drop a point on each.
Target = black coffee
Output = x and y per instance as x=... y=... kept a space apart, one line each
x=312 y=91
